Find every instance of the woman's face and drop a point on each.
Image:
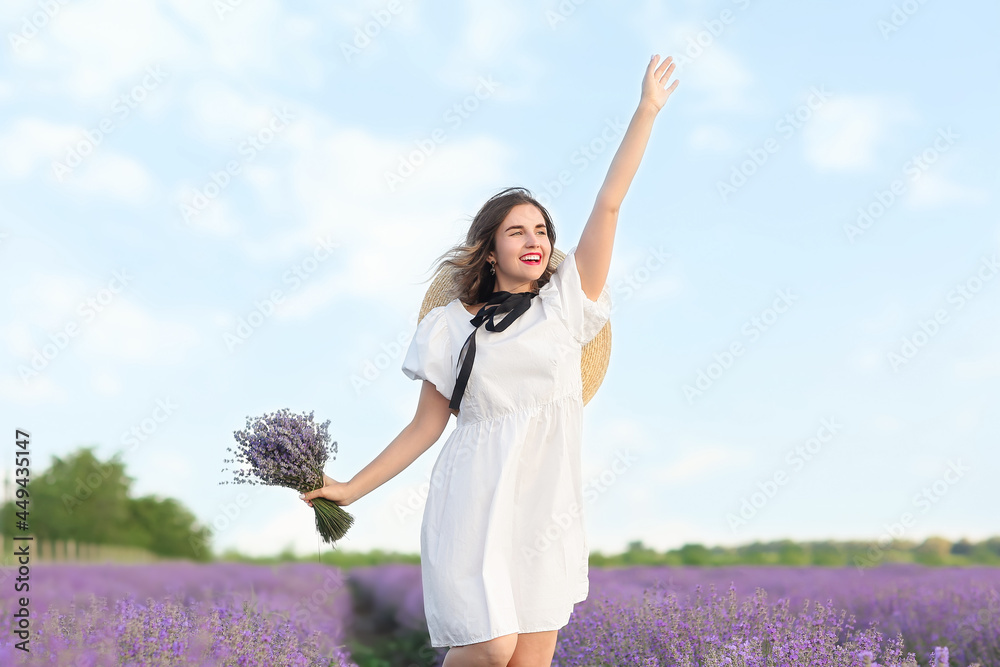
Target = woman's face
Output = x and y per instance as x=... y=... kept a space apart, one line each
x=521 y=234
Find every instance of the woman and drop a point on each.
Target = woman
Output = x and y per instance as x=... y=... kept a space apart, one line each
x=503 y=549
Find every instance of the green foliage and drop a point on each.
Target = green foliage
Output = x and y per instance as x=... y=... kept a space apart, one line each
x=81 y=498
x=410 y=648
x=638 y=554
x=695 y=554
x=337 y=557
x=932 y=551
x=827 y=554
x=77 y=498
x=757 y=554
x=986 y=552
x=167 y=528
x=782 y=552
x=792 y=553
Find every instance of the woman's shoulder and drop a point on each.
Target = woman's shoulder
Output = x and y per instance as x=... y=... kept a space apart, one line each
x=435 y=318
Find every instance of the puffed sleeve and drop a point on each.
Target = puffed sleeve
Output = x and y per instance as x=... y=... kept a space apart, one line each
x=429 y=355
x=564 y=296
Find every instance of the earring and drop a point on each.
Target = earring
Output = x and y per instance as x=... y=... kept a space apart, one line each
x=493 y=271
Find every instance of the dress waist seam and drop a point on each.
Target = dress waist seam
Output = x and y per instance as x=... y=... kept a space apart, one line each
x=530 y=410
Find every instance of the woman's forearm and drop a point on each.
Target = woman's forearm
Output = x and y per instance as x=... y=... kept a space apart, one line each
x=411 y=442
x=626 y=160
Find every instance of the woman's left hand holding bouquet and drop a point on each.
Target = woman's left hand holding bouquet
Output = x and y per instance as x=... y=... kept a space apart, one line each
x=338 y=492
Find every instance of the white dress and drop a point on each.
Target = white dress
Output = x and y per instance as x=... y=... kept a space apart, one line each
x=502 y=544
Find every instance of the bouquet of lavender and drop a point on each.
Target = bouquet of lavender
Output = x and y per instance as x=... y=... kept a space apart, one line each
x=285 y=449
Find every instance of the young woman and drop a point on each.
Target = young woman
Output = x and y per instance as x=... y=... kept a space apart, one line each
x=503 y=550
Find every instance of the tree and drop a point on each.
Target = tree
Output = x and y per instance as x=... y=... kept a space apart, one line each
x=166 y=527
x=755 y=553
x=933 y=551
x=792 y=553
x=694 y=554
x=639 y=554
x=79 y=497
x=828 y=554
x=962 y=548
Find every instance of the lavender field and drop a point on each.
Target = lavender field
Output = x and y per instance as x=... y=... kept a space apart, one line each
x=178 y=613
x=310 y=614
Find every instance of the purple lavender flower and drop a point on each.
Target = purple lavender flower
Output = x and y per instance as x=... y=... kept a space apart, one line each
x=290 y=450
x=181 y=613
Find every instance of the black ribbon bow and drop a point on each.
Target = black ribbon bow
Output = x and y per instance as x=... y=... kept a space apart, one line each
x=514 y=304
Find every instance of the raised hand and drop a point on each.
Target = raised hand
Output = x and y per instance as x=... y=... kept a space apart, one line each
x=654 y=91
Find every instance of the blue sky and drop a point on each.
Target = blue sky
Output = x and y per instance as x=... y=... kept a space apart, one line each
x=817 y=200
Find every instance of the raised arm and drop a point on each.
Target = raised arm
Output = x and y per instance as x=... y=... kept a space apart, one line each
x=593 y=253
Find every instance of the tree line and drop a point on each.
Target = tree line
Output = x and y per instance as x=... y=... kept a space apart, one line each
x=81 y=498
x=932 y=551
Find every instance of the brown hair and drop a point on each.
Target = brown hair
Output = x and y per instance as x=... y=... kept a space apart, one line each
x=472 y=278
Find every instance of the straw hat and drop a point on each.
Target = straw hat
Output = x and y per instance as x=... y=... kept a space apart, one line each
x=596 y=353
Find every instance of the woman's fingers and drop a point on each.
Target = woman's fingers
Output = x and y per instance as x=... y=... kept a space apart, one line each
x=667 y=62
x=666 y=73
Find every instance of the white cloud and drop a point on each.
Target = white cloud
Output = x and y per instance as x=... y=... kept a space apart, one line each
x=217 y=218
x=719 y=75
x=935 y=189
x=969 y=419
x=113 y=175
x=31 y=142
x=37 y=389
x=716 y=74
x=134 y=34
x=846 y=132
x=45 y=299
x=111 y=329
x=105 y=383
x=179 y=34
x=336 y=178
x=977 y=369
x=887 y=423
x=264 y=179
x=252 y=37
x=126 y=333
x=711 y=138
x=315 y=294
x=223 y=114
x=493 y=33
x=866 y=360
x=888 y=320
